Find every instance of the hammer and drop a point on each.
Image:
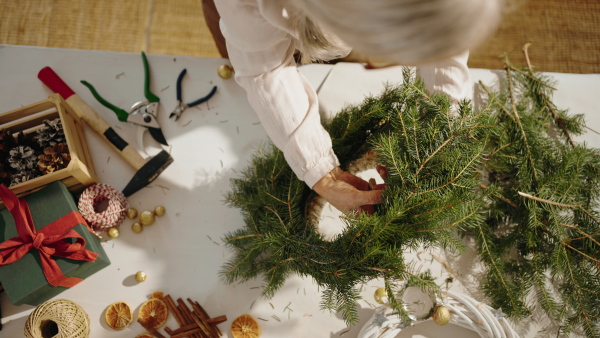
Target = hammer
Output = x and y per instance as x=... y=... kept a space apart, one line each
x=146 y=171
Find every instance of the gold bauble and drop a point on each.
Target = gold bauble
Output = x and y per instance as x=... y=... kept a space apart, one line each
x=147 y=217
x=160 y=211
x=140 y=276
x=381 y=296
x=137 y=227
x=441 y=315
x=113 y=232
x=225 y=71
x=132 y=213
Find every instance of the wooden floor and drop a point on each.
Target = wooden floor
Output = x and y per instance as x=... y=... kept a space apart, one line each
x=565 y=34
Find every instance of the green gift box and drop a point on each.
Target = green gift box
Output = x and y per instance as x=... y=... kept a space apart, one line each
x=24 y=281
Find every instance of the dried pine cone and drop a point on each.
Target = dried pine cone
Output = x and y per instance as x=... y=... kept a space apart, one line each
x=7 y=142
x=50 y=134
x=5 y=174
x=23 y=176
x=22 y=158
x=54 y=158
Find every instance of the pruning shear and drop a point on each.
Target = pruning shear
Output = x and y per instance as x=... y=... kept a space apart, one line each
x=142 y=113
x=181 y=107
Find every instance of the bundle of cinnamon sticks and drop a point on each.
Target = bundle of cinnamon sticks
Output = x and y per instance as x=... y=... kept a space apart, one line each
x=193 y=323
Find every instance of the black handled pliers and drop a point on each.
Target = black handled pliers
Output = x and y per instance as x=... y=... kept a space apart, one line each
x=181 y=107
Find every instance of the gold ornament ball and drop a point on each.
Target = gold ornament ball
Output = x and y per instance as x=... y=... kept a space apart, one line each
x=441 y=315
x=137 y=227
x=113 y=232
x=132 y=213
x=147 y=217
x=225 y=71
x=160 y=211
x=381 y=296
x=140 y=276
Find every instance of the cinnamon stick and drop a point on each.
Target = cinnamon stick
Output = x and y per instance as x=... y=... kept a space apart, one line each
x=184 y=328
x=173 y=308
x=194 y=330
x=203 y=316
x=201 y=309
x=194 y=326
x=151 y=330
x=190 y=317
x=217 y=320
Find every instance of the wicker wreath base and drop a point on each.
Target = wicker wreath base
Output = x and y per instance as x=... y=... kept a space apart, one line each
x=465 y=312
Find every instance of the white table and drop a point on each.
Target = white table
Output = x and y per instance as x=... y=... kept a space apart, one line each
x=182 y=252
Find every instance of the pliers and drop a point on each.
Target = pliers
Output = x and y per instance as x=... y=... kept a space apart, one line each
x=142 y=113
x=181 y=107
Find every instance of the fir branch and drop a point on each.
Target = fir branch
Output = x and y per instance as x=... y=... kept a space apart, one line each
x=547 y=301
x=583 y=254
x=493 y=98
x=497 y=273
x=518 y=121
x=580 y=309
x=571 y=206
x=452 y=224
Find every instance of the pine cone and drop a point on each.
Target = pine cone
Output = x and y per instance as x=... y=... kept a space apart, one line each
x=50 y=134
x=7 y=142
x=54 y=158
x=22 y=158
x=5 y=174
x=22 y=176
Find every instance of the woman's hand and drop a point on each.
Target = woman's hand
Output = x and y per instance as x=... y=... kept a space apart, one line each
x=347 y=192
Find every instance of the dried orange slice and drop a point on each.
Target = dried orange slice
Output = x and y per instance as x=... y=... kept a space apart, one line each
x=153 y=313
x=118 y=315
x=245 y=326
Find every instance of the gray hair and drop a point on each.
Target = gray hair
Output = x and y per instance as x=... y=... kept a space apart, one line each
x=404 y=31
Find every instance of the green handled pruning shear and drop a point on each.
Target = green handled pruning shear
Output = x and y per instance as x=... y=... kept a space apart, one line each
x=142 y=113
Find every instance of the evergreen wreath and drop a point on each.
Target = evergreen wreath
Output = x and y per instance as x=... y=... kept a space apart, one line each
x=508 y=174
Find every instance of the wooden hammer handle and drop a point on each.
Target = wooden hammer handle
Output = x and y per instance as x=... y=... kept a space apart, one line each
x=86 y=113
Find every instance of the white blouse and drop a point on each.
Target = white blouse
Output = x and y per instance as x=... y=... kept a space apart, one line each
x=261 y=45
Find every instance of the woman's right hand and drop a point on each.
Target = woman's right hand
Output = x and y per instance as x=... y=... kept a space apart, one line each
x=348 y=193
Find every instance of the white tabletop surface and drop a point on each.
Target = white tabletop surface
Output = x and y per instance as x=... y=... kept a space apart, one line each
x=182 y=253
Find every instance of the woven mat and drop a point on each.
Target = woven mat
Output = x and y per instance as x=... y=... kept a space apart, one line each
x=565 y=34
x=156 y=26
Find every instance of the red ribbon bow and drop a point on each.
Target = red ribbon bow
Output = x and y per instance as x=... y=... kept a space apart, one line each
x=49 y=241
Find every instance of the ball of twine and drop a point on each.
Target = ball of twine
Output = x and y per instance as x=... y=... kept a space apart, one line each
x=59 y=318
x=96 y=194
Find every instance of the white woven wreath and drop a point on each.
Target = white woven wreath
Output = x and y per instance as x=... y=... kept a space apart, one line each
x=465 y=312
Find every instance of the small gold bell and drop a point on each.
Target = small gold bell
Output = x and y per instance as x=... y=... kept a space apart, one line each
x=159 y=211
x=132 y=213
x=441 y=315
x=147 y=217
x=381 y=296
x=137 y=227
x=113 y=232
x=225 y=71
x=140 y=276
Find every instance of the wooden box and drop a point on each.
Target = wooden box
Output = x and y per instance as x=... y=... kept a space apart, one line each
x=80 y=172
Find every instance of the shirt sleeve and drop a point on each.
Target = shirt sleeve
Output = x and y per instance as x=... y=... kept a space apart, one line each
x=449 y=76
x=286 y=104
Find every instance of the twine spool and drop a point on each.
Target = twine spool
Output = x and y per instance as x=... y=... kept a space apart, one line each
x=93 y=196
x=59 y=318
